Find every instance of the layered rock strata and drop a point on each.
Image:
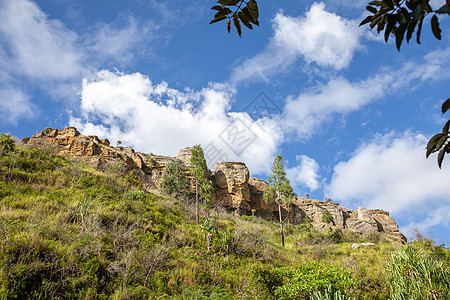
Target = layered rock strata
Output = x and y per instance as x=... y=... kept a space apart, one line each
x=235 y=190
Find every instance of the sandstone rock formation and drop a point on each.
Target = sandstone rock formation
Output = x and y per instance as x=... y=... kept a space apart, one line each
x=235 y=190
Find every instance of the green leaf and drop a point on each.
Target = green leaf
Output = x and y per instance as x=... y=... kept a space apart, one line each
x=253 y=9
x=389 y=26
x=441 y=142
x=237 y=24
x=440 y=157
x=244 y=20
x=229 y=25
x=223 y=12
x=431 y=146
x=217 y=7
x=381 y=3
x=371 y=9
x=249 y=16
x=215 y=20
x=411 y=27
x=228 y=2
x=435 y=27
x=419 y=29
x=375 y=21
x=446 y=106
x=366 y=20
x=400 y=34
x=446 y=127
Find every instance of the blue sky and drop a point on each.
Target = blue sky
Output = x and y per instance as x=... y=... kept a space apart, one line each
x=350 y=114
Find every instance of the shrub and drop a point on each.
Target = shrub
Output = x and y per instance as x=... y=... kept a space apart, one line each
x=6 y=143
x=327 y=217
x=414 y=276
x=301 y=281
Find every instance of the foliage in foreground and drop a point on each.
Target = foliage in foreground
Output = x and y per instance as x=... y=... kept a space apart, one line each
x=70 y=232
x=413 y=275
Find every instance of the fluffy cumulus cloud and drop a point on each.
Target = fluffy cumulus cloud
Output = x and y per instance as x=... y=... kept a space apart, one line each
x=156 y=118
x=304 y=114
x=391 y=172
x=305 y=174
x=40 y=52
x=320 y=37
x=37 y=46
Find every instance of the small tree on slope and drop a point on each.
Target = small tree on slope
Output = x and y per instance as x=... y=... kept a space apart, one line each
x=174 y=181
x=203 y=186
x=279 y=189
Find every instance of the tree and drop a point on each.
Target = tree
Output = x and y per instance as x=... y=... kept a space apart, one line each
x=199 y=170
x=279 y=189
x=174 y=181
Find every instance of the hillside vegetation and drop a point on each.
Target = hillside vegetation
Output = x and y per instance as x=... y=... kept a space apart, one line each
x=68 y=231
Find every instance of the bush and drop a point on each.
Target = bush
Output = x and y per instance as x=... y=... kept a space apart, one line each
x=6 y=143
x=301 y=281
x=414 y=276
x=327 y=217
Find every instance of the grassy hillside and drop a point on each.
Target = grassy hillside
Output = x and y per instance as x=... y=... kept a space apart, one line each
x=68 y=231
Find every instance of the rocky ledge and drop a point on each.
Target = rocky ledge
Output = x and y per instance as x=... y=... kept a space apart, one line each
x=235 y=190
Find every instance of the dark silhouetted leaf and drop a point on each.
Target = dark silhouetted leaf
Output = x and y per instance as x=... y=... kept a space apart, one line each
x=244 y=20
x=400 y=34
x=411 y=27
x=229 y=26
x=366 y=20
x=217 y=7
x=218 y=19
x=441 y=157
x=249 y=16
x=228 y=2
x=446 y=127
x=379 y=3
x=389 y=26
x=371 y=9
x=419 y=29
x=446 y=106
x=223 y=12
x=432 y=143
x=441 y=142
x=435 y=27
x=253 y=9
x=237 y=24
x=375 y=21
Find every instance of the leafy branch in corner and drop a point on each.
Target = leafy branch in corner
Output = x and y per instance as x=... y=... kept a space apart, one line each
x=398 y=18
x=236 y=11
x=440 y=141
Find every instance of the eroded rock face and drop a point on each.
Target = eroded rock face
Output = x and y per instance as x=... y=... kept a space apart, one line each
x=236 y=191
x=233 y=193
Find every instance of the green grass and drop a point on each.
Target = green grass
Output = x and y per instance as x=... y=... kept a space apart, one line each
x=71 y=232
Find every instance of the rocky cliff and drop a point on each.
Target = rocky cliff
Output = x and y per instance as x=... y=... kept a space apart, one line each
x=235 y=190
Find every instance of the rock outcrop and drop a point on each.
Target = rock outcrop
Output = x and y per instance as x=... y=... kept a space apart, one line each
x=235 y=190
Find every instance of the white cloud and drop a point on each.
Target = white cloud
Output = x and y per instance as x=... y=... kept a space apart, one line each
x=320 y=37
x=156 y=118
x=15 y=104
x=38 y=47
x=305 y=174
x=304 y=114
x=117 y=42
x=391 y=172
